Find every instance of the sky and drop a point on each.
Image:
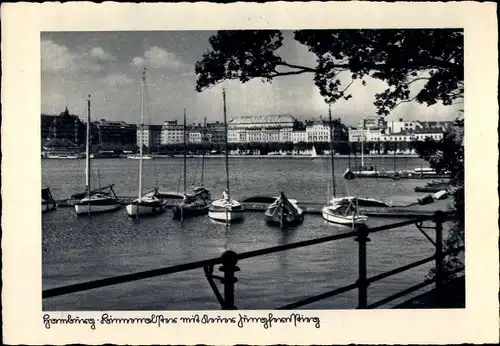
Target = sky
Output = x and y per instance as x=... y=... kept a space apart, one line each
x=108 y=66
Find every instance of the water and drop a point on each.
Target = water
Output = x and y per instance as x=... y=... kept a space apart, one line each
x=78 y=249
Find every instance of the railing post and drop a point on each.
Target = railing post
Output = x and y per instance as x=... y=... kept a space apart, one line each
x=439 y=277
x=229 y=260
x=362 y=282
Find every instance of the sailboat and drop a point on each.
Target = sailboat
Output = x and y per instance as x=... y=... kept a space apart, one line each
x=94 y=201
x=314 y=155
x=225 y=209
x=200 y=189
x=192 y=204
x=148 y=204
x=284 y=212
x=341 y=210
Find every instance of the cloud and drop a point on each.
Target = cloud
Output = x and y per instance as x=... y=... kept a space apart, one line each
x=117 y=79
x=57 y=58
x=156 y=57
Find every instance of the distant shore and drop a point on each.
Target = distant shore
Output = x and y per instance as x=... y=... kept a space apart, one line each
x=367 y=156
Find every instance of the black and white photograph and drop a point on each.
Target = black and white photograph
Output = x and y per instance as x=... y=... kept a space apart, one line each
x=290 y=170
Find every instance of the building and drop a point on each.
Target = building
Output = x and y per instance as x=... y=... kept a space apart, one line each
x=63 y=126
x=171 y=132
x=363 y=135
x=372 y=122
x=319 y=131
x=270 y=128
x=149 y=136
x=414 y=125
x=215 y=132
x=113 y=135
x=299 y=135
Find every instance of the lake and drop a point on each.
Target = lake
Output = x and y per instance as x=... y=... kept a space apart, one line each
x=79 y=249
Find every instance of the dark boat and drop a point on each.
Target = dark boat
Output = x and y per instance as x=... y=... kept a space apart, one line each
x=284 y=212
x=192 y=205
x=48 y=202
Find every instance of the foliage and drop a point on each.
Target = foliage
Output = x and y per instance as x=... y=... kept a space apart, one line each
x=448 y=155
x=399 y=57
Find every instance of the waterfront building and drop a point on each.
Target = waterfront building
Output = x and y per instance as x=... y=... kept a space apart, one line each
x=372 y=122
x=215 y=132
x=171 y=132
x=113 y=135
x=319 y=131
x=365 y=135
x=64 y=126
x=270 y=128
x=414 y=125
x=150 y=136
x=299 y=135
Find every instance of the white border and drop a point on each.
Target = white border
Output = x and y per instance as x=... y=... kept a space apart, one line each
x=21 y=27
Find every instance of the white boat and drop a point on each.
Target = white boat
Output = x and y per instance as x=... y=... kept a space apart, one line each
x=97 y=202
x=314 y=155
x=343 y=213
x=94 y=201
x=343 y=210
x=225 y=209
x=137 y=157
x=148 y=204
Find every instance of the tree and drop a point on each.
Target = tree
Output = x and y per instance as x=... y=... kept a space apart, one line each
x=399 y=57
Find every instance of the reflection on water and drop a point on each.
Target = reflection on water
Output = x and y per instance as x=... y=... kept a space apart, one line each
x=77 y=249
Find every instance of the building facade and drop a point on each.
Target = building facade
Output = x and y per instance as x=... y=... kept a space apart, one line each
x=171 y=133
x=270 y=128
x=401 y=125
x=372 y=122
x=113 y=135
x=64 y=126
x=149 y=136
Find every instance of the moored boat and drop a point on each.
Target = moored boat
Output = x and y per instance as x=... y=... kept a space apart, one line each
x=225 y=209
x=191 y=204
x=284 y=212
x=149 y=204
x=48 y=202
x=343 y=212
x=98 y=201
x=94 y=201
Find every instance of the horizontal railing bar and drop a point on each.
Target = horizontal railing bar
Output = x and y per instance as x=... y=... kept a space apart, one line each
x=299 y=244
x=399 y=224
x=401 y=269
x=319 y=297
x=52 y=292
x=400 y=294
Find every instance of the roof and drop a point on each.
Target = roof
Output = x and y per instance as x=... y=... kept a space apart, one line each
x=263 y=119
x=56 y=142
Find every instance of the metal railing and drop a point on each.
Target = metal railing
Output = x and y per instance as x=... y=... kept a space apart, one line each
x=229 y=260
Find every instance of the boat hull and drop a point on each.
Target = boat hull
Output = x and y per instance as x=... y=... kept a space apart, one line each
x=86 y=208
x=48 y=206
x=336 y=218
x=223 y=216
x=287 y=221
x=136 y=209
x=184 y=212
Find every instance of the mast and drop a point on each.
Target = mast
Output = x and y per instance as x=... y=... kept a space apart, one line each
x=225 y=143
x=141 y=129
x=185 y=150
x=87 y=151
x=362 y=151
x=331 y=146
x=203 y=150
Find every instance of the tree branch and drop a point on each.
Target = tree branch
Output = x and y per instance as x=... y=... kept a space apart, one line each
x=405 y=101
x=304 y=68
